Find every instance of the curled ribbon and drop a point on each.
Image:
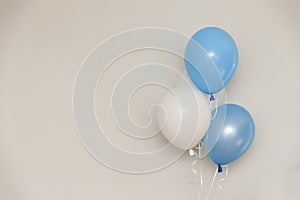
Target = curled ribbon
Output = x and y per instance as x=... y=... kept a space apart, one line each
x=217 y=173
x=198 y=178
x=196 y=152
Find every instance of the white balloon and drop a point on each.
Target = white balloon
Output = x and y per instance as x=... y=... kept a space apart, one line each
x=184 y=117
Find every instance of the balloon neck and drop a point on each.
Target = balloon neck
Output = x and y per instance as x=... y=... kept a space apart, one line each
x=212 y=98
x=220 y=168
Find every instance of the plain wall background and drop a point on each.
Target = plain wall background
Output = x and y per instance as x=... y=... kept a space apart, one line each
x=42 y=46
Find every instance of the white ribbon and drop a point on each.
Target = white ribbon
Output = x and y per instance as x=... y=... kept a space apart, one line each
x=198 y=178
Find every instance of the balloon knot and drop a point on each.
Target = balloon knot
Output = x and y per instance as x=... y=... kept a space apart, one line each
x=212 y=98
x=220 y=168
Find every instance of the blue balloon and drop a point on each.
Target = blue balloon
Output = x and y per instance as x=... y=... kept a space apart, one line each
x=221 y=49
x=230 y=134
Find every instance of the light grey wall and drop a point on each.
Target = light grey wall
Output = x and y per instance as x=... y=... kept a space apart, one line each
x=42 y=46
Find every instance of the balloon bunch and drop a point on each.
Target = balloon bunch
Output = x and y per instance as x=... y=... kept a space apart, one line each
x=211 y=59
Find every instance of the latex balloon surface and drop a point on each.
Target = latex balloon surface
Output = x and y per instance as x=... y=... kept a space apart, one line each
x=230 y=134
x=184 y=117
x=211 y=59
